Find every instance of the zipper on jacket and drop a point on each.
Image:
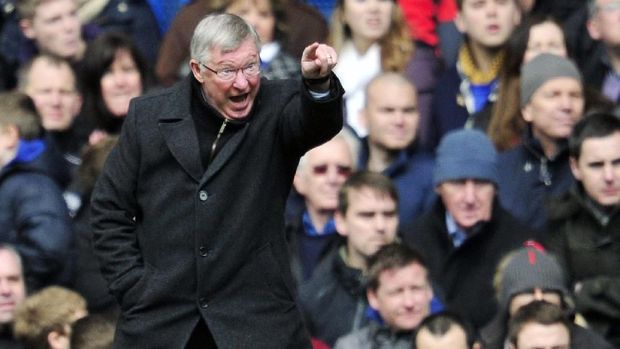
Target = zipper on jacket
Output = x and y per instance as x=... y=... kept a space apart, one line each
x=217 y=138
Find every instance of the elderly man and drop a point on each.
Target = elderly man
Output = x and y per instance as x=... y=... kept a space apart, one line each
x=584 y=223
x=552 y=102
x=188 y=212
x=319 y=177
x=466 y=232
x=400 y=291
x=12 y=293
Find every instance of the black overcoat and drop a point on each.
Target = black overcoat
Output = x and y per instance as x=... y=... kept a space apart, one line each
x=177 y=243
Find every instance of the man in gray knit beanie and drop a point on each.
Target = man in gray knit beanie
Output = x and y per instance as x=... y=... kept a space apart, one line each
x=526 y=275
x=552 y=101
x=543 y=68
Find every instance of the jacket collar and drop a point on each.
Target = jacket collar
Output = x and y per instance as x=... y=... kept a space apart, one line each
x=179 y=132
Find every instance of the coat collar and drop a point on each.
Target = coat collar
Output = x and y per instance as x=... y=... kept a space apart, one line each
x=179 y=132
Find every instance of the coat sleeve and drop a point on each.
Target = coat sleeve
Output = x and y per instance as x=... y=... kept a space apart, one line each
x=308 y=122
x=115 y=210
x=600 y=295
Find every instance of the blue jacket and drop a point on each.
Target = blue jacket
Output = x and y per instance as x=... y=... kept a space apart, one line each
x=528 y=180
x=34 y=218
x=412 y=174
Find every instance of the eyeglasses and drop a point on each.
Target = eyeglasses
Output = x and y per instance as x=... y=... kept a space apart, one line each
x=229 y=74
x=340 y=170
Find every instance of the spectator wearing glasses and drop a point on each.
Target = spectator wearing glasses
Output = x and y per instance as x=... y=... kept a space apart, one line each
x=334 y=300
x=188 y=211
x=391 y=117
x=312 y=233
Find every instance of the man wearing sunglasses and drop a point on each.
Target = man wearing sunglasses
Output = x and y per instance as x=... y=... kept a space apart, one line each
x=188 y=212
x=312 y=233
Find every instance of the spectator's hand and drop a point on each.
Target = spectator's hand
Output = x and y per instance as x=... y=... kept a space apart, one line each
x=317 y=61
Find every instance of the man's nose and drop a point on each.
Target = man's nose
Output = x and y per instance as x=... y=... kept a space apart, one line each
x=241 y=81
x=469 y=191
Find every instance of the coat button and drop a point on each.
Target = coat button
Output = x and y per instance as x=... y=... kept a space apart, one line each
x=203 y=303
x=203 y=251
x=202 y=195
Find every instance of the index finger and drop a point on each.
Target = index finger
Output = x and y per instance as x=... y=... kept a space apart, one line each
x=310 y=50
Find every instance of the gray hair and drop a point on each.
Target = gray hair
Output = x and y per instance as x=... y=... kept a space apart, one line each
x=225 y=31
x=349 y=139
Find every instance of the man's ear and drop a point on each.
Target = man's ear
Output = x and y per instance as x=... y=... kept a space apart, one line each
x=195 y=67
x=10 y=136
x=26 y=27
x=574 y=168
x=371 y=295
x=594 y=29
x=526 y=113
x=299 y=184
x=341 y=225
x=518 y=16
x=460 y=23
x=57 y=340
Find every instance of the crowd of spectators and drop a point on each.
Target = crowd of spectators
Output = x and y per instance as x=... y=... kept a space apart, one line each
x=472 y=199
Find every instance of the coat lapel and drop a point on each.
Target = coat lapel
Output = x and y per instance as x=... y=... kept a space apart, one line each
x=180 y=136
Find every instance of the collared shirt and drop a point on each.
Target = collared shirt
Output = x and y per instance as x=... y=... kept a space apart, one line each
x=457 y=235
x=313 y=244
x=311 y=230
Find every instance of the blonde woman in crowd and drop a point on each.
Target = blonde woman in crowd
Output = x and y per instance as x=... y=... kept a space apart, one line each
x=370 y=36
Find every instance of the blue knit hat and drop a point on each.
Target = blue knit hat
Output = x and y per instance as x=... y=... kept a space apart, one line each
x=463 y=154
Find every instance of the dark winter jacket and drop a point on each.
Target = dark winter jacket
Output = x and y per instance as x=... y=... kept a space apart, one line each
x=464 y=275
x=182 y=240
x=587 y=243
x=334 y=301
x=34 y=217
x=528 y=180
